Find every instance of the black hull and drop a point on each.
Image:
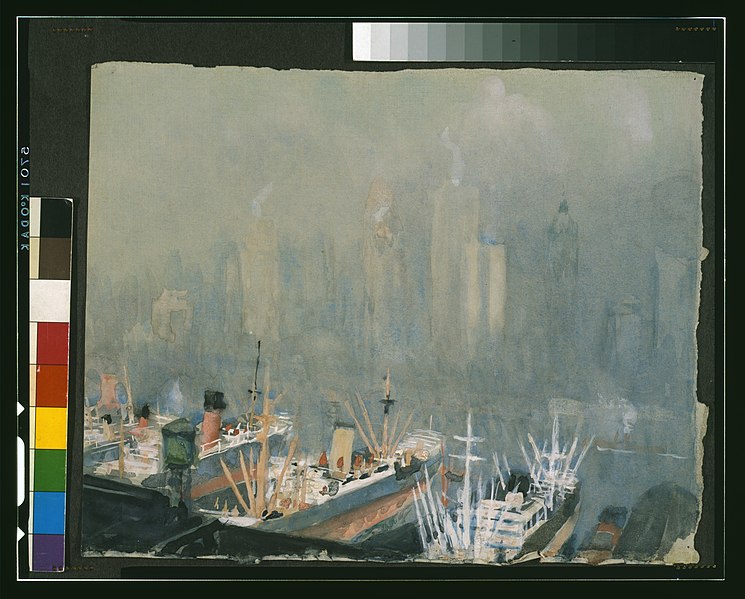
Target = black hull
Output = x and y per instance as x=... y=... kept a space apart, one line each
x=545 y=533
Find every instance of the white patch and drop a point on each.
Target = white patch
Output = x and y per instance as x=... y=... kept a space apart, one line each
x=49 y=300
x=458 y=164
x=361 y=41
x=35 y=217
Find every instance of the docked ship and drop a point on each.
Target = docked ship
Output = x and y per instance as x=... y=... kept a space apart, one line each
x=315 y=501
x=247 y=472
x=532 y=513
x=116 y=442
x=520 y=515
x=341 y=496
x=217 y=437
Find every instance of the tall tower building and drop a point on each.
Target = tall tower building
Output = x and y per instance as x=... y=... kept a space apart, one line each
x=260 y=278
x=454 y=265
x=385 y=289
x=493 y=262
x=676 y=283
x=562 y=276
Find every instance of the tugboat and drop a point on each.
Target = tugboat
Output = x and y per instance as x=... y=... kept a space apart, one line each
x=605 y=537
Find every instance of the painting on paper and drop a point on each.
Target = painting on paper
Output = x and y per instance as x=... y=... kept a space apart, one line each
x=443 y=316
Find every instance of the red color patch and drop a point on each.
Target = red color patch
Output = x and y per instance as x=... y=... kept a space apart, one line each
x=51 y=386
x=52 y=343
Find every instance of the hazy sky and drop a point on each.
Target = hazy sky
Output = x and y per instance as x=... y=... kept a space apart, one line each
x=179 y=153
x=184 y=158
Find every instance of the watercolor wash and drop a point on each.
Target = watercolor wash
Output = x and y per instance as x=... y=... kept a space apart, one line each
x=444 y=316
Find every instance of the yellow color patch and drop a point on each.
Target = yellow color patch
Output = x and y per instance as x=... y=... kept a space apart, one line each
x=51 y=428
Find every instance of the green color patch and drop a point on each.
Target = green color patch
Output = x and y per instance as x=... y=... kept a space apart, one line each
x=49 y=469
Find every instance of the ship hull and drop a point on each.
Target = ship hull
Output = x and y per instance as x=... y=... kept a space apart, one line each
x=349 y=516
x=208 y=476
x=353 y=526
x=545 y=538
x=549 y=538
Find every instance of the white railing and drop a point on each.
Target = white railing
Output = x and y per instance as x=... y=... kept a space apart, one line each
x=227 y=441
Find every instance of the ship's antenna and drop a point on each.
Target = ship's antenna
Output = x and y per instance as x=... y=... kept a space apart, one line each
x=387 y=403
x=254 y=391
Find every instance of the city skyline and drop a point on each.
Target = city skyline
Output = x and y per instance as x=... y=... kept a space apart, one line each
x=356 y=222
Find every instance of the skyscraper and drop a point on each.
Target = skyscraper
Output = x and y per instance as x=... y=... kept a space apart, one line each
x=260 y=278
x=562 y=275
x=386 y=286
x=454 y=263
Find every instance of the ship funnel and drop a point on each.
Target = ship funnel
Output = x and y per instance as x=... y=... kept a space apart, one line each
x=214 y=404
x=341 y=451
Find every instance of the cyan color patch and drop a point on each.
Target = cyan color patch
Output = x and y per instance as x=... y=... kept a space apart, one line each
x=49 y=513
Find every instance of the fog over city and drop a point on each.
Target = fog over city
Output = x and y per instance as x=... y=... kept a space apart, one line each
x=494 y=238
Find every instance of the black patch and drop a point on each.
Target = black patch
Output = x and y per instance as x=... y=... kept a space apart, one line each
x=214 y=400
x=613 y=514
x=56 y=218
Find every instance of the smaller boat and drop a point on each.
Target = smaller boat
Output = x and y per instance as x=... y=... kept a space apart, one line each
x=524 y=515
x=131 y=451
x=605 y=537
x=534 y=511
x=624 y=447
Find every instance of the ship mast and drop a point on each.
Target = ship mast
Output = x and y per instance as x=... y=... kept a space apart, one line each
x=387 y=403
x=130 y=406
x=468 y=458
x=254 y=392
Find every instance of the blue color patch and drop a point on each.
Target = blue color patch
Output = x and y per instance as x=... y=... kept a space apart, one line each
x=49 y=513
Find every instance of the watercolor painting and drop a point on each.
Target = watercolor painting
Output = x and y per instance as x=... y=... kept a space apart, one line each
x=443 y=316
